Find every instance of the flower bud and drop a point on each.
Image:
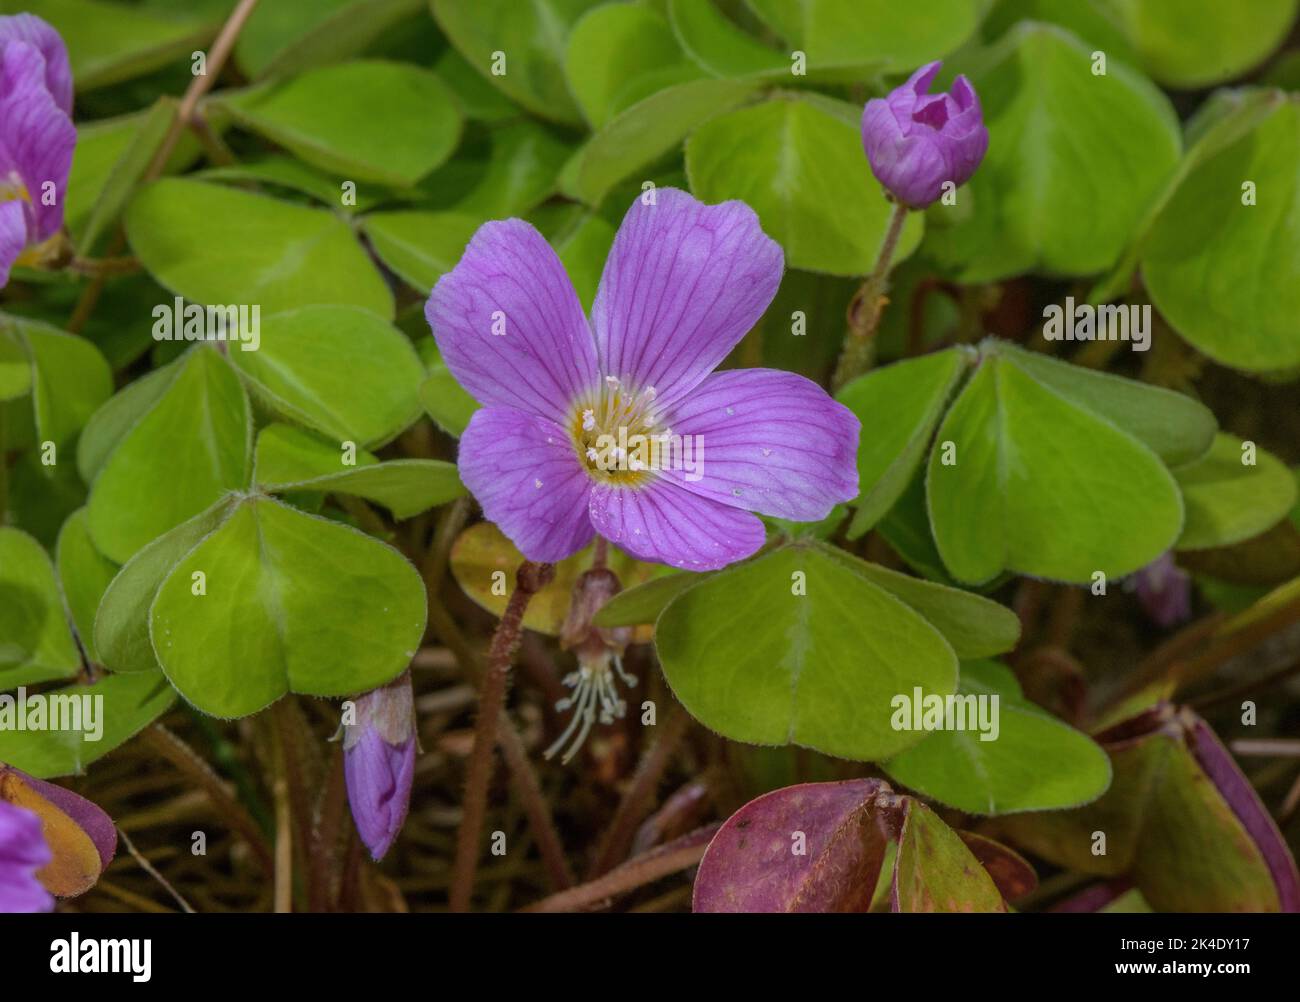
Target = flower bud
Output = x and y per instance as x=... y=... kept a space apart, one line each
x=916 y=141
x=379 y=762
x=1165 y=591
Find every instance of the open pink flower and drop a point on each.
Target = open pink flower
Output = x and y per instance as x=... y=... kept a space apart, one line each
x=36 y=138
x=558 y=452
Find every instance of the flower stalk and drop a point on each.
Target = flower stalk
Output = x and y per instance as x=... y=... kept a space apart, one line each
x=867 y=306
x=530 y=579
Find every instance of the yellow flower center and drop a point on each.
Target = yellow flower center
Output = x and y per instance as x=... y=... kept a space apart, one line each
x=617 y=434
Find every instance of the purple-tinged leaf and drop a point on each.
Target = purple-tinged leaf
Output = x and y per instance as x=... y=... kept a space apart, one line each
x=1237 y=792
x=935 y=872
x=817 y=847
x=1011 y=872
x=1094 y=897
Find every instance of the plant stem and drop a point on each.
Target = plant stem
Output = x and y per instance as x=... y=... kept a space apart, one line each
x=149 y=868
x=283 y=823
x=530 y=579
x=540 y=820
x=185 y=116
x=200 y=85
x=635 y=803
x=189 y=762
x=644 y=869
x=867 y=306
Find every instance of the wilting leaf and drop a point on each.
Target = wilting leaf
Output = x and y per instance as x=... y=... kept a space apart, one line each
x=484 y=563
x=1179 y=819
x=81 y=838
x=822 y=847
x=935 y=872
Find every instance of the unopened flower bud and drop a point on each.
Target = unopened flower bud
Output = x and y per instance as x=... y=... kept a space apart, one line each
x=379 y=763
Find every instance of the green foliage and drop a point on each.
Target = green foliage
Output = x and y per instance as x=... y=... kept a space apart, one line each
x=233 y=521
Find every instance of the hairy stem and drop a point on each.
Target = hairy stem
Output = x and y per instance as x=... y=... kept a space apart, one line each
x=189 y=762
x=530 y=579
x=185 y=116
x=867 y=306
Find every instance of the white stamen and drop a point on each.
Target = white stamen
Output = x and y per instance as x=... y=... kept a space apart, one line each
x=594 y=695
x=588 y=420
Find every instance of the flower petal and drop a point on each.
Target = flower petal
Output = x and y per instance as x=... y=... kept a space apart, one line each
x=683 y=284
x=660 y=521
x=58 y=72
x=768 y=441
x=13 y=237
x=36 y=138
x=510 y=326
x=22 y=852
x=526 y=474
x=378 y=777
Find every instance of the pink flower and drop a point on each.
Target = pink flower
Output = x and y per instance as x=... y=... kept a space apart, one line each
x=915 y=141
x=379 y=763
x=36 y=138
x=22 y=852
x=559 y=450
